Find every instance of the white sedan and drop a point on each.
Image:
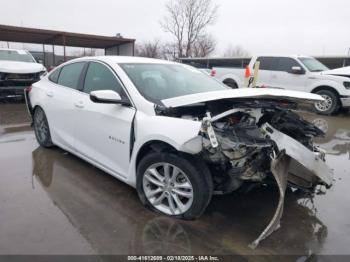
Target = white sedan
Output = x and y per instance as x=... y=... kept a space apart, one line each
x=175 y=134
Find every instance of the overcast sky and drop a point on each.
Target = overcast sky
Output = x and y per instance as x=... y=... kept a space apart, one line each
x=312 y=27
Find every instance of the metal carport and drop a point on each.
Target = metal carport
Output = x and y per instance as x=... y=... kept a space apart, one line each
x=111 y=45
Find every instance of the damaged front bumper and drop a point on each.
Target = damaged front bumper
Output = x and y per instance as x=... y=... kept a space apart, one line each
x=306 y=166
x=7 y=92
x=294 y=164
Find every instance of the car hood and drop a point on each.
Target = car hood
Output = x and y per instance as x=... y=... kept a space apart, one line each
x=264 y=93
x=20 y=67
x=344 y=71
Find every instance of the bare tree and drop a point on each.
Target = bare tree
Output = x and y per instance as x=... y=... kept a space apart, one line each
x=187 y=21
x=169 y=51
x=235 y=51
x=203 y=46
x=151 y=49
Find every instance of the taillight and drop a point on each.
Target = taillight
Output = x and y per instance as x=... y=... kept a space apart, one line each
x=213 y=72
x=29 y=88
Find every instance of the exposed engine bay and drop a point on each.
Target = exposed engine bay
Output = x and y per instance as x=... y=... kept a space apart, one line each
x=258 y=141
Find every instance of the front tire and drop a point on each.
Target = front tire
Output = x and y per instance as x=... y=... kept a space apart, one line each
x=330 y=105
x=178 y=186
x=41 y=128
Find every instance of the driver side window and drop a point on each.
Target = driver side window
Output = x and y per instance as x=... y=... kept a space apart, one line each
x=99 y=77
x=285 y=64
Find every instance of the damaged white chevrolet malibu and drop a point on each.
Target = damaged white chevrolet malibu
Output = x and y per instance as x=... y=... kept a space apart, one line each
x=175 y=134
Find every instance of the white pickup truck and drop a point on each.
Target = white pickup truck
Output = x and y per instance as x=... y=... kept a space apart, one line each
x=301 y=73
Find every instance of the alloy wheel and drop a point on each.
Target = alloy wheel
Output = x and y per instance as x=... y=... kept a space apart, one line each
x=324 y=105
x=168 y=188
x=41 y=127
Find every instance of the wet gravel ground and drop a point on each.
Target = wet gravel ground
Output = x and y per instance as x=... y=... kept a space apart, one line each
x=51 y=202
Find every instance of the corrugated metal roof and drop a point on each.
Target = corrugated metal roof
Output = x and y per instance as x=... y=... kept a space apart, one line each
x=51 y=37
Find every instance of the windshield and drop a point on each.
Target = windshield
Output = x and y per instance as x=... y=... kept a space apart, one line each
x=16 y=55
x=313 y=65
x=161 y=81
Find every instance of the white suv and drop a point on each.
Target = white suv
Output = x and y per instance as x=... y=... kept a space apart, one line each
x=18 y=70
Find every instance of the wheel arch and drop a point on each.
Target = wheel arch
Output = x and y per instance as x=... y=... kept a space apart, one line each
x=231 y=77
x=35 y=107
x=325 y=87
x=156 y=145
x=153 y=145
x=230 y=80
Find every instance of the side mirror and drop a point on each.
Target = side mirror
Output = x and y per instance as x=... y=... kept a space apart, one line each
x=107 y=97
x=297 y=70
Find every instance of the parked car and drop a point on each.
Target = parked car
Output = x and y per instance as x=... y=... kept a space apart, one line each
x=18 y=70
x=301 y=73
x=175 y=134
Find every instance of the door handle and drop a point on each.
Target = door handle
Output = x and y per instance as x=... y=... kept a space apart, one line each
x=79 y=104
x=49 y=93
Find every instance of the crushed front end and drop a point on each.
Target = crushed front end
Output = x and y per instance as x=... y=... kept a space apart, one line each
x=261 y=144
x=259 y=141
x=12 y=85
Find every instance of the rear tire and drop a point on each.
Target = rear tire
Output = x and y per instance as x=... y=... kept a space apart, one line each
x=41 y=128
x=330 y=105
x=190 y=183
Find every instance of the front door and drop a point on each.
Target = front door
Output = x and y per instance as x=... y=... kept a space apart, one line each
x=103 y=131
x=283 y=78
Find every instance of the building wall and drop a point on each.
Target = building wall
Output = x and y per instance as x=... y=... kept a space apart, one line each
x=51 y=61
x=124 y=49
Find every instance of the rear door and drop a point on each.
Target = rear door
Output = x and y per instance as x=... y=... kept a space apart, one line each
x=103 y=131
x=267 y=66
x=61 y=93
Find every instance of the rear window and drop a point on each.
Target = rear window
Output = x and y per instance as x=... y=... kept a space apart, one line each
x=70 y=75
x=268 y=63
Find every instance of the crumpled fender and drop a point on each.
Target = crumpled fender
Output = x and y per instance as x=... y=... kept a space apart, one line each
x=311 y=163
x=182 y=134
